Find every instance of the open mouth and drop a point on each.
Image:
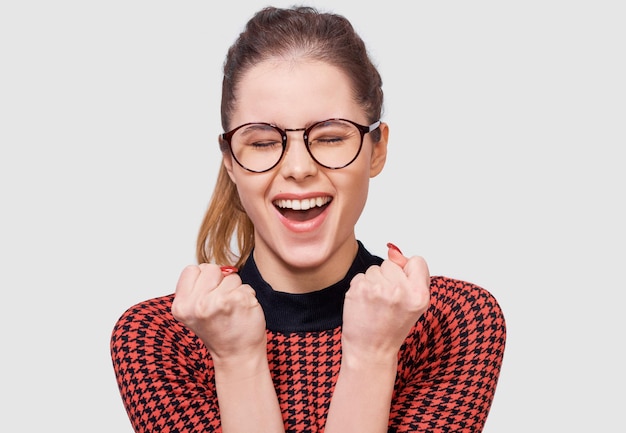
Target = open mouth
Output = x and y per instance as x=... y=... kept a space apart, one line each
x=302 y=210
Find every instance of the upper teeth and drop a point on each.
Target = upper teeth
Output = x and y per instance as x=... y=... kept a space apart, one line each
x=302 y=204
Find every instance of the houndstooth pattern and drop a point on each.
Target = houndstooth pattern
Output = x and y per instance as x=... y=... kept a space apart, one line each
x=447 y=374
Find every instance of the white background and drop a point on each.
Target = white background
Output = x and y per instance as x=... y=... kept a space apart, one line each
x=506 y=168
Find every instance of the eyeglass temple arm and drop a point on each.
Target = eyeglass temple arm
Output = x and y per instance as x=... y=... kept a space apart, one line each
x=373 y=126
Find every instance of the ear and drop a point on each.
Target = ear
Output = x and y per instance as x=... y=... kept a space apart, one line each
x=379 y=151
x=227 y=158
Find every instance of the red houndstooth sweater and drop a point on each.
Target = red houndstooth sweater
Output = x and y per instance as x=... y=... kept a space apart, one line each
x=447 y=372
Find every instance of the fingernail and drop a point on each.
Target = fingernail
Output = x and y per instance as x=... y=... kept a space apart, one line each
x=393 y=247
x=227 y=270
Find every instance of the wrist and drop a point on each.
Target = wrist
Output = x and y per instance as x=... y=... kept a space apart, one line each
x=372 y=361
x=240 y=366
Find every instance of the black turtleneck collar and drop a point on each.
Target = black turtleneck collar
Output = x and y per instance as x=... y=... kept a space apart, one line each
x=305 y=312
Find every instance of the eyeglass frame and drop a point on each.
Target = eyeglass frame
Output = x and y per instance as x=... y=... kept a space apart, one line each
x=227 y=136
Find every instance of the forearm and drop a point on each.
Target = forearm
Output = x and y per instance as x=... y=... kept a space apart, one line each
x=247 y=397
x=362 y=397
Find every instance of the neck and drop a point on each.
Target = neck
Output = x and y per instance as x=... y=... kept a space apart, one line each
x=284 y=276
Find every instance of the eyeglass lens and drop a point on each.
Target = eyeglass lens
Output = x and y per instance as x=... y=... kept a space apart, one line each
x=332 y=143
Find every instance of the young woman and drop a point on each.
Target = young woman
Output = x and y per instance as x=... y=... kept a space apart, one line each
x=301 y=329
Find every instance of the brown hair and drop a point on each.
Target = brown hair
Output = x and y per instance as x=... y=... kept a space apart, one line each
x=275 y=32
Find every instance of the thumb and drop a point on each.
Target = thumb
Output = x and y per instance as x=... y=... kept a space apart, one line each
x=396 y=256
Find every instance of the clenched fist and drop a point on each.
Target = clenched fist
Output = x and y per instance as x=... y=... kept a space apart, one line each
x=382 y=305
x=223 y=312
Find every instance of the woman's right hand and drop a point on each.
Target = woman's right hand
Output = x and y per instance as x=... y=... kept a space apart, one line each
x=221 y=310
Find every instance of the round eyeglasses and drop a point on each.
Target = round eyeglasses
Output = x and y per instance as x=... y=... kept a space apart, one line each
x=332 y=143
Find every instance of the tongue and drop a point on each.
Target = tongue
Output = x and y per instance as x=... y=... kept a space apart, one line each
x=302 y=215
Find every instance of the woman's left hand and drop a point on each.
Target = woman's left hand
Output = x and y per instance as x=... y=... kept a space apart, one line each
x=382 y=305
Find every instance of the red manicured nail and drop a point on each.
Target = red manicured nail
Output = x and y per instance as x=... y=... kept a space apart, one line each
x=393 y=247
x=227 y=270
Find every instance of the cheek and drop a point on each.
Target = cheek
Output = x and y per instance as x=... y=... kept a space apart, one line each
x=360 y=177
x=355 y=189
x=251 y=193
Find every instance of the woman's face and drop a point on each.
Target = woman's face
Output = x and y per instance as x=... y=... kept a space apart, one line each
x=296 y=94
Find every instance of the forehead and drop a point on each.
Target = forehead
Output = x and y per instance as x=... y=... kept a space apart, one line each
x=292 y=92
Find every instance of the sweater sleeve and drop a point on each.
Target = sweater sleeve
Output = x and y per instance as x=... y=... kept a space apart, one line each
x=163 y=371
x=450 y=363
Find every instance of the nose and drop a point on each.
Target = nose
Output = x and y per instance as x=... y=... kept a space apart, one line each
x=297 y=163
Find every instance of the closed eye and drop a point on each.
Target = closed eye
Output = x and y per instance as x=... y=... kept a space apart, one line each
x=264 y=144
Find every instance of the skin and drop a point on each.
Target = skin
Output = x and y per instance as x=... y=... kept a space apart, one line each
x=294 y=95
x=381 y=305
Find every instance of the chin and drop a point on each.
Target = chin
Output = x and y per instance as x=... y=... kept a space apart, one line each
x=305 y=257
x=312 y=254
